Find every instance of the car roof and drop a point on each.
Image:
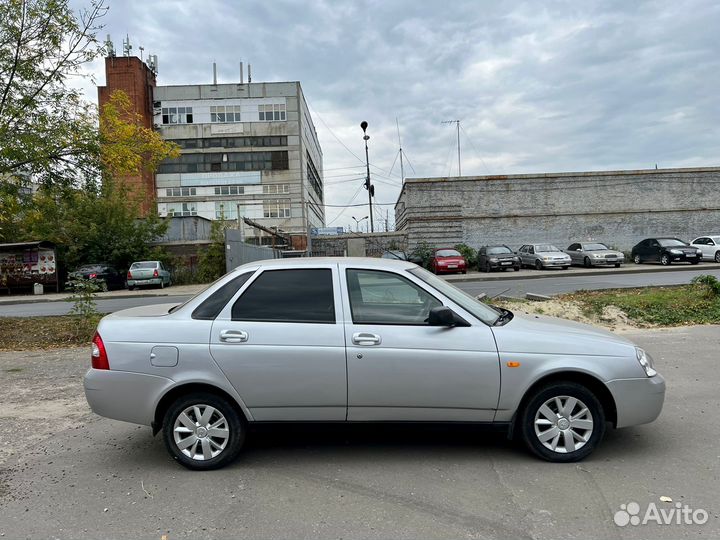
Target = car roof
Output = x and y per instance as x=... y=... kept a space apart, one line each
x=369 y=262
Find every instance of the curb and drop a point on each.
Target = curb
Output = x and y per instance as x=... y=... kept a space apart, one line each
x=39 y=299
x=504 y=276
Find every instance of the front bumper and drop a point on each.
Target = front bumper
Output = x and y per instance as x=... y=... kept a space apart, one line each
x=638 y=401
x=121 y=395
x=505 y=264
x=606 y=262
x=554 y=264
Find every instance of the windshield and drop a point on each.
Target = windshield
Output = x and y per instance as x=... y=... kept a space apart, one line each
x=143 y=265
x=544 y=248
x=594 y=247
x=482 y=311
x=498 y=250
x=89 y=268
x=447 y=253
x=669 y=242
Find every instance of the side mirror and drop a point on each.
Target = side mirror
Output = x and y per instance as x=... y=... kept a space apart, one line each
x=441 y=316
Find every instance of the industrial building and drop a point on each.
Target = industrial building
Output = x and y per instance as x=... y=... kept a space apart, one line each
x=618 y=208
x=248 y=150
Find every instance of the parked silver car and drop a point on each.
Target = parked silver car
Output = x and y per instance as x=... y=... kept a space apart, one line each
x=360 y=340
x=542 y=256
x=591 y=254
x=709 y=246
x=144 y=273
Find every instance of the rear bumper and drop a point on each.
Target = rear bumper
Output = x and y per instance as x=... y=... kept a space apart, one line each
x=638 y=401
x=121 y=395
x=139 y=282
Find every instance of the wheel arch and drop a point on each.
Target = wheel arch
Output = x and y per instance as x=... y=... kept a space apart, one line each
x=592 y=383
x=187 y=388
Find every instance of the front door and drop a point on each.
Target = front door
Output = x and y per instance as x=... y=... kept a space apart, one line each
x=402 y=369
x=281 y=346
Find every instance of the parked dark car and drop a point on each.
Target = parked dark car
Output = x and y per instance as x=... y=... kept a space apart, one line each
x=497 y=257
x=448 y=261
x=665 y=251
x=106 y=276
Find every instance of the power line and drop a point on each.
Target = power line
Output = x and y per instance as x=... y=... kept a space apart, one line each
x=476 y=150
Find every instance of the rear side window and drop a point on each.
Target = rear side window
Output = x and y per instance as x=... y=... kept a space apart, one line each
x=295 y=296
x=213 y=304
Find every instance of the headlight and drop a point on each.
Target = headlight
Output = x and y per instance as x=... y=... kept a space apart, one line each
x=546 y=258
x=493 y=259
x=645 y=361
x=676 y=252
x=596 y=256
x=698 y=252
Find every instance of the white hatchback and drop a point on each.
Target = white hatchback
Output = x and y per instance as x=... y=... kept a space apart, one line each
x=709 y=245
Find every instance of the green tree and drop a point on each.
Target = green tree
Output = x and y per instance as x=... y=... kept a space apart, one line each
x=46 y=128
x=212 y=261
x=469 y=253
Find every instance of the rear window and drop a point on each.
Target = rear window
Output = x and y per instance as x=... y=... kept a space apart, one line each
x=293 y=296
x=142 y=265
x=213 y=304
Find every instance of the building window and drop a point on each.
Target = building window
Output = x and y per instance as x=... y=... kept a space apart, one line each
x=177 y=115
x=229 y=190
x=225 y=113
x=276 y=209
x=231 y=142
x=230 y=162
x=180 y=192
x=273 y=112
x=275 y=189
x=226 y=210
x=184 y=209
x=313 y=176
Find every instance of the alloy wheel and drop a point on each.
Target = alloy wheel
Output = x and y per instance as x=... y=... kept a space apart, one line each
x=201 y=432
x=717 y=256
x=563 y=424
x=636 y=259
x=665 y=260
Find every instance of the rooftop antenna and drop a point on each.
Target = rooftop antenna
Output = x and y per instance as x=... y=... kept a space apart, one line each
x=153 y=63
x=126 y=46
x=457 y=122
x=402 y=169
x=110 y=46
x=242 y=75
x=141 y=49
x=214 y=73
x=249 y=73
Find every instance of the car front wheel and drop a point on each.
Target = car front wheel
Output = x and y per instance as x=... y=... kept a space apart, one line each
x=562 y=422
x=203 y=431
x=538 y=265
x=665 y=259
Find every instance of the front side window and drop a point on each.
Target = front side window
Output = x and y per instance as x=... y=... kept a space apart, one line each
x=290 y=296
x=378 y=297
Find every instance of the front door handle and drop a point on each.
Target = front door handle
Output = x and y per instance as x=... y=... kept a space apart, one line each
x=366 y=339
x=233 y=336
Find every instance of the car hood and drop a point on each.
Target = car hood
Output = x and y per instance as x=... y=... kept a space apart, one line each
x=550 y=335
x=603 y=252
x=551 y=254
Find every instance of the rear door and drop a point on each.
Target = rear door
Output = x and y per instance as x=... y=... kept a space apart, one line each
x=281 y=345
x=402 y=369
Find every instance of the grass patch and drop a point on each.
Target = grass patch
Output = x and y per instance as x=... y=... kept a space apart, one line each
x=657 y=306
x=45 y=332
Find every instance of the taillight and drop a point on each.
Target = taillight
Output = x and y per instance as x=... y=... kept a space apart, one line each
x=129 y=276
x=99 y=355
x=155 y=273
x=92 y=276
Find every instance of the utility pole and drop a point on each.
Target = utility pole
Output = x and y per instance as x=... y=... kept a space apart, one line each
x=402 y=169
x=370 y=188
x=457 y=124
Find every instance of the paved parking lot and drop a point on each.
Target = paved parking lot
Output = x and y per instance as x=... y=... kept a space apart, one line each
x=65 y=473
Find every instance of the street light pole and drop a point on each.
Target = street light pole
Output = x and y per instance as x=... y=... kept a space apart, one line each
x=358 y=222
x=370 y=188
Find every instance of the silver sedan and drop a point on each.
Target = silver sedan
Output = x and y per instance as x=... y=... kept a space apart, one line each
x=542 y=256
x=589 y=254
x=360 y=340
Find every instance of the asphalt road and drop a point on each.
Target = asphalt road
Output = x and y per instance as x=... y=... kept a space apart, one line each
x=564 y=282
x=65 y=473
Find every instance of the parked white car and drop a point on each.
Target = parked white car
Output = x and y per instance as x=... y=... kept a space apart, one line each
x=709 y=245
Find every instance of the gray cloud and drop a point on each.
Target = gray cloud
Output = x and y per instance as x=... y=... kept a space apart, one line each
x=539 y=87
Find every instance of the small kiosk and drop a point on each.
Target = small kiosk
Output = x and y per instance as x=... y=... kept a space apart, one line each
x=25 y=264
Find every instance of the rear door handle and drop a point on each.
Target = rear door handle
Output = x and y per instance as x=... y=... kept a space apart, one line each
x=366 y=339
x=233 y=336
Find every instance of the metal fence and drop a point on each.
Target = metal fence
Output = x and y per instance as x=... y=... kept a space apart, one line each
x=238 y=252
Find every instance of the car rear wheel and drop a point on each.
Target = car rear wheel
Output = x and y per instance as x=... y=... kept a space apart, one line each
x=665 y=259
x=717 y=256
x=562 y=422
x=636 y=259
x=538 y=265
x=203 y=431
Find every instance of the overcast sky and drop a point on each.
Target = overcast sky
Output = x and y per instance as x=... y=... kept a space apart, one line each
x=538 y=86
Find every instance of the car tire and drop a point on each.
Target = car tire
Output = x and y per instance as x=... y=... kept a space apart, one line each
x=617 y=265
x=665 y=259
x=717 y=256
x=223 y=415
x=538 y=265
x=695 y=262
x=488 y=268
x=636 y=259
x=517 y=268
x=584 y=430
x=587 y=263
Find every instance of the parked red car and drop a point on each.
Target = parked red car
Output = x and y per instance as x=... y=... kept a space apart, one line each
x=448 y=261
